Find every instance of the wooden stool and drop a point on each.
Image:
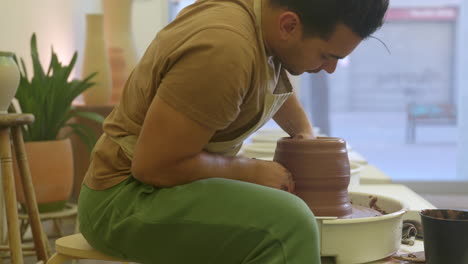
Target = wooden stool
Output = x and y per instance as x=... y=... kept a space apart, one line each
x=70 y=210
x=11 y=123
x=76 y=247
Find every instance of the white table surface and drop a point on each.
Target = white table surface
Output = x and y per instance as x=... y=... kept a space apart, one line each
x=418 y=246
x=400 y=192
x=372 y=175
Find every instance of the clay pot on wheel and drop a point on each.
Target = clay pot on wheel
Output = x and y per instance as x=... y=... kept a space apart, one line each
x=321 y=170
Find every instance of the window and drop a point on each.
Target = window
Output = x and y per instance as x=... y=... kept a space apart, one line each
x=372 y=97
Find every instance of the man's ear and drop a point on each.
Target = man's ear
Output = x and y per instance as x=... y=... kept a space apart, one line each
x=289 y=24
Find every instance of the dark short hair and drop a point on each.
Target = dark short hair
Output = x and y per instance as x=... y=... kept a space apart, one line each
x=320 y=17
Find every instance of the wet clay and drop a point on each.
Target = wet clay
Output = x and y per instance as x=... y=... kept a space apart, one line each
x=321 y=171
x=447 y=214
x=374 y=206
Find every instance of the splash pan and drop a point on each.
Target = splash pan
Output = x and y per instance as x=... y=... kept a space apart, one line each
x=361 y=240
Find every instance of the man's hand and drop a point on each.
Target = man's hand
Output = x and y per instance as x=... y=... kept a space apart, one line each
x=305 y=136
x=292 y=118
x=274 y=175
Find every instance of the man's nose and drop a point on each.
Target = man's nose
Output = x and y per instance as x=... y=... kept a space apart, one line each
x=330 y=66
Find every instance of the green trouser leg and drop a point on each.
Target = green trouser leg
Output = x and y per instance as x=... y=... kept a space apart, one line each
x=215 y=221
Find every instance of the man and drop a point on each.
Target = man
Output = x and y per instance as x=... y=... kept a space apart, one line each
x=165 y=184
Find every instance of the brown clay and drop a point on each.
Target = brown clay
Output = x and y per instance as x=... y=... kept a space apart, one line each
x=321 y=170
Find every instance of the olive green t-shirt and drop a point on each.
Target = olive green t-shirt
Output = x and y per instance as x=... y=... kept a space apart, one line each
x=206 y=64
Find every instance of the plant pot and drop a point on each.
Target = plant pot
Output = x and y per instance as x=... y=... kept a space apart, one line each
x=51 y=166
x=9 y=80
x=321 y=170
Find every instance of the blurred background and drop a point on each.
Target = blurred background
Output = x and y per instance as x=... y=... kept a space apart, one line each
x=399 y=99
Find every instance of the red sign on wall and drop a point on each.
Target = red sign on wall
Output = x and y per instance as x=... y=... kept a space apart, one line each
x=422 y=14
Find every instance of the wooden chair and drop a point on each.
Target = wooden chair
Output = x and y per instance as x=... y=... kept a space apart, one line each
x=75 y=247
x=10 y=128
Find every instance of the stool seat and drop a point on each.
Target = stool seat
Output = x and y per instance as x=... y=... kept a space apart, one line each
x=12 y=120
x=76 y=247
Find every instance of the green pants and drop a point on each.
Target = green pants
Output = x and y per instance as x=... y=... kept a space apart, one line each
x=214 y=221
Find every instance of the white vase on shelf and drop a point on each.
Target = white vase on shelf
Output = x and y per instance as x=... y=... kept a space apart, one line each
x=9 y=80
x=96 y=60
x=119 y=42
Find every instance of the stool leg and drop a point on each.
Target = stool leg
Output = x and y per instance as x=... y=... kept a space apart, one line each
x=45 y=238
x=58 y=259
x=3 y=223
x=31 y=203
x=57 y=226
x=10 y=197
x=77 y=225
x=24 y=224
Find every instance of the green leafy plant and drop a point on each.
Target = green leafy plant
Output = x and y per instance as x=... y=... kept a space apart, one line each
x=49 y=96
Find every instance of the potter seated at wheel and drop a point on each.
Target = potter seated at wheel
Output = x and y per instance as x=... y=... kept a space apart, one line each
x=165 y=185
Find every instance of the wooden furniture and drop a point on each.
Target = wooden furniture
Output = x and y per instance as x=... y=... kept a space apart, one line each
x=428 y=114
x=71 y=210
x=75 y=247
x=10 y=128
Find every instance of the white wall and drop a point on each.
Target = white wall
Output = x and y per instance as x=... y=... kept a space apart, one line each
x=61 y=24
x=149 y=16
x=50 y=19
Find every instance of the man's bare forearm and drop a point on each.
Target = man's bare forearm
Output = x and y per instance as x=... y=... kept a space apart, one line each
x=203 y=166
x=292 y=118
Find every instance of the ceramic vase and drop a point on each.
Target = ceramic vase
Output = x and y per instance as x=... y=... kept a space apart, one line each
x=321 y=170
x=96 y=60
x=119 y=42
x=9 y=80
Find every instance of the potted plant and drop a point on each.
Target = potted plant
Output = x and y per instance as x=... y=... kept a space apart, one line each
x=48 y=95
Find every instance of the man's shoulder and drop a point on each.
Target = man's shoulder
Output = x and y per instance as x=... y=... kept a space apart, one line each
x=233 y=15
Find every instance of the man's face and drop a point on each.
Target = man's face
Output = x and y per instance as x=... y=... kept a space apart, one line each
x=300 y=54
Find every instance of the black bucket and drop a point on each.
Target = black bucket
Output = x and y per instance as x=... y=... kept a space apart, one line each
x=445 y=236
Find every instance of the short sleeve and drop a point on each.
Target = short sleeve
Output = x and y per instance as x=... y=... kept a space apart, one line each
x=209 y=76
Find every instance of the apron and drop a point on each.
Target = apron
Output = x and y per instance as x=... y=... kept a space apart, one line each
x=272 y=102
